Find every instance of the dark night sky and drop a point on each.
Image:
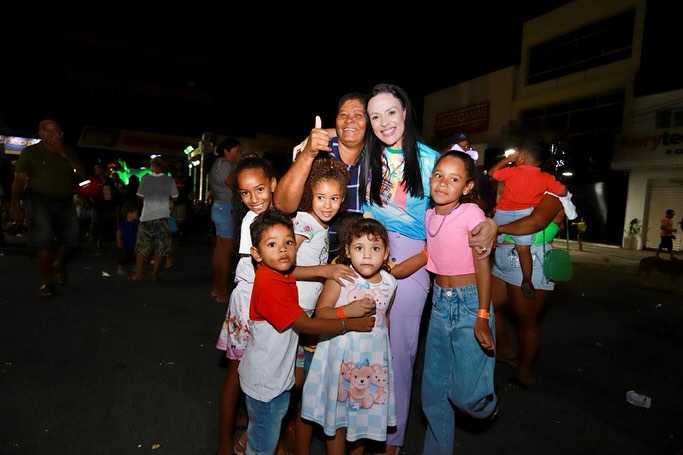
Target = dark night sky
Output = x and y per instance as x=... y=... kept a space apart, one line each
x=242 y=78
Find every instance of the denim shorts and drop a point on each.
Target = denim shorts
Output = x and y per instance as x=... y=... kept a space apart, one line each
x=508 y=216
x=506 y=266
x=51 y=218
x=221 y=215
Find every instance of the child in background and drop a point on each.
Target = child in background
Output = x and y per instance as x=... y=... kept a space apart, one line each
x=266 y=371
x=349 y=389
x=581 y=227
x=323 y=198
x=154 y=239
x=524 y=186
x=84 y=215
x=126 y=233
x=459 y=352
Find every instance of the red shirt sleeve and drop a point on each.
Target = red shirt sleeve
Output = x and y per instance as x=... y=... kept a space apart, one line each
x=502 y=173
x=274 y=298
x=553 y=185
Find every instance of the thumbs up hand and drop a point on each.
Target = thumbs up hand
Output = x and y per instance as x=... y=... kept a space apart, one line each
x=318 y=140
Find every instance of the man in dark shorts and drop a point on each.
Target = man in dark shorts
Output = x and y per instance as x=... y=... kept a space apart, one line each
x=666 y=234
x=44 y=182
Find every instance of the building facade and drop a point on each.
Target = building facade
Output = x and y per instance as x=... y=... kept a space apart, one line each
x=650 y=149
x=575 y=87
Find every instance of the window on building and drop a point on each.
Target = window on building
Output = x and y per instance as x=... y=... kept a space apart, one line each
x=677 y=117
x=663 y=118
x=598 y=44
x=667 y=118
x=587 y=128
x=602 y=114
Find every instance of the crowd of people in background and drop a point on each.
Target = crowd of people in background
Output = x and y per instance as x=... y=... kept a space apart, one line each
x=365 y=227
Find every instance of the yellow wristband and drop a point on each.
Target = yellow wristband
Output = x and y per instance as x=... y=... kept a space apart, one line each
x=484 y=314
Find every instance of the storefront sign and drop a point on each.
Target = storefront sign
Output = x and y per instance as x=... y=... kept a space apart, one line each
x=649 y=149
x=470 y=119
x=17 y=143
x=134 y=141
x=665 y=140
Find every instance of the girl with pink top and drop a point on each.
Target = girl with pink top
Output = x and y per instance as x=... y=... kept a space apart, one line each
x=459 y=354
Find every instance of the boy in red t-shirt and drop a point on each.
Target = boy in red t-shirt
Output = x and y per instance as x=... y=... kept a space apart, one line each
x=524 y=186
x=266 y=370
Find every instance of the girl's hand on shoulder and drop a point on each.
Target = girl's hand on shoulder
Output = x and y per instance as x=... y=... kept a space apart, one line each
x=483 y=334
x=342 y=274
x=482 y=237
x=364 y=324
x=361 y=307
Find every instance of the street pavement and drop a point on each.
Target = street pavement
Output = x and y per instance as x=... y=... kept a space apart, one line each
x=111 y=366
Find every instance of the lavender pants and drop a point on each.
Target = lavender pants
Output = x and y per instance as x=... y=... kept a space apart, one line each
x=404 y=330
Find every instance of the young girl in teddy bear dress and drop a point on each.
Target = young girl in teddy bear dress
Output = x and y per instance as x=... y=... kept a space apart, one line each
x=349 y=388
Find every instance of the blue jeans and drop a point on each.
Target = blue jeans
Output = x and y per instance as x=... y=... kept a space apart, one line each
x=265 y=421
x=457 y=371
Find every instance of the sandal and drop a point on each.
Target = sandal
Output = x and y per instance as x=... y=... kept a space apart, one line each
x=515 y=383
x=509 y=361
x=240 y=446
x=47 y=290
x=61 y=277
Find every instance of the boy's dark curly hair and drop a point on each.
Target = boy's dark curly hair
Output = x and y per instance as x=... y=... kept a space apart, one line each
x=357 y=226
x=325 y=168
x=266 y=220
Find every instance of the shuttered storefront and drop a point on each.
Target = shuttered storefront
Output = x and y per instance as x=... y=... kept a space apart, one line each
x=663 y=194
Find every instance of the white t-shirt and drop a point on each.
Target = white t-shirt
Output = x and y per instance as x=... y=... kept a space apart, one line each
x=267 y=367
x=156 y=191
x=313 y=251
x=245 y=267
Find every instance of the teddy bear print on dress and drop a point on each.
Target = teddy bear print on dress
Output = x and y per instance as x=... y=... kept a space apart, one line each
x=353 y=372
